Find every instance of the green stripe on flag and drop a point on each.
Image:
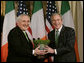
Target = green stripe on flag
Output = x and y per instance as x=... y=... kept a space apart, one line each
x=9 y=6
x=37 y=6
x=64 y=7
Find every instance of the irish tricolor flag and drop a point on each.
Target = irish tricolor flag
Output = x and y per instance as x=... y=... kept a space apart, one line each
x=9 y=23
x=68 y=21
x=37 y=21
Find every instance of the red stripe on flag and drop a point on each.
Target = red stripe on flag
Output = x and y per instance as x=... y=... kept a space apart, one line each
x=53 y=27
x=47 y=29
x=4 y=52
x=76 y=50
x=30 y=31
x=32 y=44
x=50 y=59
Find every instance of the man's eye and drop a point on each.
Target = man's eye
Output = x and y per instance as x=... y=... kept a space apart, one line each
x=53 y=20
x=23 y=20
x=58 y=19
x=28 y=21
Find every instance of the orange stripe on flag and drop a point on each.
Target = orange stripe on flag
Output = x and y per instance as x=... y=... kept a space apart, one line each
x=76 y=50
x=4 y=52
x=44 y=38
x=46 y=60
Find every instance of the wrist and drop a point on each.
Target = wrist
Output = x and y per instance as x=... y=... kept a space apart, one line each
x=53 y=51
x=34 y=52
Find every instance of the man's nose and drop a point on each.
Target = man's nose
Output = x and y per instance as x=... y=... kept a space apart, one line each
x=26 y=23
x=56 y=21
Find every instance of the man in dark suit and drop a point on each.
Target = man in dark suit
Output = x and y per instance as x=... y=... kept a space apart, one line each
x=20 y=48
x=62 y=41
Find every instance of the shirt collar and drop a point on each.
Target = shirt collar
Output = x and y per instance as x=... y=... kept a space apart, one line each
x=59 y=28
x=24 y=31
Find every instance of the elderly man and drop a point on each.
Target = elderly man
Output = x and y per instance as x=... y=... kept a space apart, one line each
x=62 y=41
x=20 y=48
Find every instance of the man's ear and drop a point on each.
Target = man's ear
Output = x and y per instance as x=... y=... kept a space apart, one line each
x=17 y=23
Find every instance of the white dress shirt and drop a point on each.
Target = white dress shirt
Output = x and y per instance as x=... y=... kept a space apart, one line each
x=55 y=33
x=58 y=35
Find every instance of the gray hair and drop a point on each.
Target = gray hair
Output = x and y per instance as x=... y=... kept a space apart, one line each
x=20 y=16
x=56 y=14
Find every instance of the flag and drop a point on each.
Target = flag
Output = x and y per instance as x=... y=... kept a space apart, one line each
x=37 y=21
x=9 y=23
x=51 y=8
x=22 y=9
x=68 y=21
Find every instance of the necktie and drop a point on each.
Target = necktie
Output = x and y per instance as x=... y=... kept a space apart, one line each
x=56 y=37
x=26 y=36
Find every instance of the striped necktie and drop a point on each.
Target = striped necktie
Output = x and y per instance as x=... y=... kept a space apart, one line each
x=26 y=36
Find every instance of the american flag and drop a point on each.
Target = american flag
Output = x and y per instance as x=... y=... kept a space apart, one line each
x=22 y=9
x=51 y=8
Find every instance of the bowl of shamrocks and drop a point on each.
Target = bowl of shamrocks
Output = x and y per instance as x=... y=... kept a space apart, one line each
x=42 y=44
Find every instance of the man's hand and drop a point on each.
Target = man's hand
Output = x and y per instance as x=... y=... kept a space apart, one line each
x=39 y=52
x=49 y=50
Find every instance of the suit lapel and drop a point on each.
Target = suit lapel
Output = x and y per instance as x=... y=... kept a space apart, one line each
x=22 y=35
x=61 y=36
x=53 y=35
x=61 y=33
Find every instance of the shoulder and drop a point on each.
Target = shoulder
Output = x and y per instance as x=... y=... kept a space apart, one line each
x=69 y=29
x=51 y=33
x=14 y=31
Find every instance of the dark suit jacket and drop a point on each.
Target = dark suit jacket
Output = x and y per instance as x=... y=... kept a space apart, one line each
x=19 y=49
x=65 y=46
